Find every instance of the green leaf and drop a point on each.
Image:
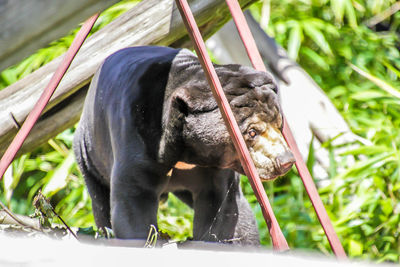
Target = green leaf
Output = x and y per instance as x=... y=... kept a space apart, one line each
x=368 y=95
x=318 y=37
x=368 y=230
x=332 y=162
x=386 y=206
x=314 y=57
x=394 y=220
x=345 y=51
x=366 y=150
x=86 y=231
x=379 y=82
x=392 y=68
x=58 y=180
x=338 y=8
x=355 y=248
x=363 y=166
x=294 y=41
x=394 y=257
x=9 y=76
x=389 y=239
x=337 y=91
x=311 y=156
x=351 y=14
x=324 y=26
x=379 y=183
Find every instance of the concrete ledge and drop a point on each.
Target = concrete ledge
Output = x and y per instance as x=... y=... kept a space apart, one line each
x=43 y=251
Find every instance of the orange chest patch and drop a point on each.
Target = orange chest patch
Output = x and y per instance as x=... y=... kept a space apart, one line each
x=184 y=166
x=181 y=166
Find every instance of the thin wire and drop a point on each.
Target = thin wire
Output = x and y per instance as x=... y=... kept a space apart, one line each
x=218 y=212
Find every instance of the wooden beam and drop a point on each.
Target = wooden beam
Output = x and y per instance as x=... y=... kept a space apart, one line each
x=152 y=22
x=27 y=26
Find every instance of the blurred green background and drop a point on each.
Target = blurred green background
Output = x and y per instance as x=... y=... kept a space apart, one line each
x=355 y=62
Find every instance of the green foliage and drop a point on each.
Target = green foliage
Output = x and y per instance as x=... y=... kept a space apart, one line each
x=51 y=167
x=359 y=69
x=175 y=218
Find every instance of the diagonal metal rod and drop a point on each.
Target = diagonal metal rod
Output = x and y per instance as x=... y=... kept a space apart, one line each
x=278 y=239
x=305 y=175
x=34 y=115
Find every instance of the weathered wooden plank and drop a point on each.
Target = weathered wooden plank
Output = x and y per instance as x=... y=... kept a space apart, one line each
x=150 y=22
x=27 y=26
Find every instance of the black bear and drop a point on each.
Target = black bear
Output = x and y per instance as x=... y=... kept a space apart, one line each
x=149 y=108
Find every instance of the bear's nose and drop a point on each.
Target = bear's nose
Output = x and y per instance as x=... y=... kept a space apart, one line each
x=284 y=162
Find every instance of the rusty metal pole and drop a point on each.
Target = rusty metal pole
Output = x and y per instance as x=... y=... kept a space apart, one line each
x=278 y=239
x=256 y=60
x=34 y=115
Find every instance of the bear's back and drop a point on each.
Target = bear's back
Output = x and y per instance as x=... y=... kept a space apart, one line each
x=125 y=97
x=134 y=74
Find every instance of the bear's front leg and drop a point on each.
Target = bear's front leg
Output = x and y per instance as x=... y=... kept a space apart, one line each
x=135 y=192
x=216 y=210
x=221 y=212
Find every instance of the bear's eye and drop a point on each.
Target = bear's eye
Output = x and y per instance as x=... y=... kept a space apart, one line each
x=252 y=133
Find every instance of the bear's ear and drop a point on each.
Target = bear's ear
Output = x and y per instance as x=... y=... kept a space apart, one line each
x=180 y=103
x=193 y=100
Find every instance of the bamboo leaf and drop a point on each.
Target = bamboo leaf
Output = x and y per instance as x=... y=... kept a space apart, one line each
x=9 y=76
x=311 y=156
x=351 y=14
x=391 y=67
x=368 y=95
x=323 y=26
x=58 y=179
x=366 y=150
x=338 y=8
x=314 y=57
x=294 y=41
x=382 y=84
x=386 y=206
x=375 y=162
x=355 y=248
x=318 y=37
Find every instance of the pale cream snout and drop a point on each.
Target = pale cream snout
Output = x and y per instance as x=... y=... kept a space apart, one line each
x=271 y=155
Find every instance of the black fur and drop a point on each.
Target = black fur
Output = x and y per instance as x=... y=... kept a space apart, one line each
x=146 y=109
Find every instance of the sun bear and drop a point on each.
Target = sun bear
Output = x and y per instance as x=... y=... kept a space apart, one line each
x=149 y=108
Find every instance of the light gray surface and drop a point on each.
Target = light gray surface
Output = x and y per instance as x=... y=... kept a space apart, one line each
x=27 y=25
x=46 y=252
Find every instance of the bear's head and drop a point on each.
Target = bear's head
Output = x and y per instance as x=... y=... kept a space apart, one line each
x=197 y=131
